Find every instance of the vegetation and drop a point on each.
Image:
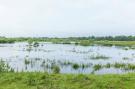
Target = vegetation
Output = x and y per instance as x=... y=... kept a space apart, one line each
x=122 y=66
x=27 y=62
x=5 y=67
x=97 y=67
x=84 y=41
x=6 y=40
x=99 y=57
x=56 y=69
x=40 y=80
x=116 y=43
x=75 y=66
x=35 y=44
x=43 y=80
x=65 y=81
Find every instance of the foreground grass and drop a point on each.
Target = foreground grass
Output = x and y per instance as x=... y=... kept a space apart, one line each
x=65 y=81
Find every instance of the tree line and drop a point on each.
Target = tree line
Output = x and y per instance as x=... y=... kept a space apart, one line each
x=94 y=38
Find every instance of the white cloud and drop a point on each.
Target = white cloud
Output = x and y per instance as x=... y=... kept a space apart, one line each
x=67 y=17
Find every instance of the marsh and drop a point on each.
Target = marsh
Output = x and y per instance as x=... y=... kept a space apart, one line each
x=70 y=58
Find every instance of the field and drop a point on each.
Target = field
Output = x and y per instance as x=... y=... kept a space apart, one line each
x=65 y=81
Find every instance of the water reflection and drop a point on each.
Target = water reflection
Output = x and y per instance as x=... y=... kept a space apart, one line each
x=69 y=58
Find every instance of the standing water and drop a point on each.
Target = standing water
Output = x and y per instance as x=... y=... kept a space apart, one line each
x=69 y=58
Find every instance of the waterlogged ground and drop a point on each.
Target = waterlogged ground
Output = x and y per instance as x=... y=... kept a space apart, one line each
x=69 y=58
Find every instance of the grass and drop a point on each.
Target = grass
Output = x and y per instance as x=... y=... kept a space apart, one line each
x=66 y=42
x=85 y=42
x=75 y=66
x=6 y=40
x=43 y=80
x=125 y=58
x=131 y=66
x=35 y=44
x=116 y=43
x=5 y=67
x=97 y=67
x=108 y=65
x=99 y=57
x=119 y=65
x=27 y=62
x=65 y=81
x=56 y=69
x=78 y=41
x=122 y=66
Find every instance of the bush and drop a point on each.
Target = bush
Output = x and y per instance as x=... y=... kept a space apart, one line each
x=56 y=69
x=75 y=66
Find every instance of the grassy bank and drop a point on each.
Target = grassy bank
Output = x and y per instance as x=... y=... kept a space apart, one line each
x=116 y=43
x=65 y=81
x=84 y=41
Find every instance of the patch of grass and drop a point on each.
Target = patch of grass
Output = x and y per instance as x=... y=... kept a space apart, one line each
x=97 y=67
x=35 y=44
x=65 y=63
x=108 y=65
x=85 y=43
x=131 y=66
x=119 y=65
x=132 y=47
x=85 y=65
x=66 y=81
x=27 y=62
x=66 y=42
x=6 y=40
x=125 y=66
x=126 y=48
x=56 y=69
x=125 y=58
x=99 y=57
x=116 y=43
x=5 y=67
x=75 y=66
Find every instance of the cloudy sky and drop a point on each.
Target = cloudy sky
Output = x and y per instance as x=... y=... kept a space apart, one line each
x=67 y=17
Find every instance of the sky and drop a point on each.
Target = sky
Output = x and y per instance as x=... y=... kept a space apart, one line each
x=64 y=18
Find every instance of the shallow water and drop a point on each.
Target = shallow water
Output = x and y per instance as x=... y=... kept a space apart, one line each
x=46 y=54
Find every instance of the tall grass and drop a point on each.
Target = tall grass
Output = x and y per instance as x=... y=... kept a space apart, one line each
x=5 y=67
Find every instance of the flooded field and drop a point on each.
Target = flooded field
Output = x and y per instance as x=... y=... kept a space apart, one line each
x=68 y=58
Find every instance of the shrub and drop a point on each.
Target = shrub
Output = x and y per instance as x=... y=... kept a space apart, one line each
x=56 y=69
x=75 y=66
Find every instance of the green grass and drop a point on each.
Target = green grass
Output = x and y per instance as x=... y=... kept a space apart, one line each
x=78 y=41
x=85 y=42
x=6 y=40
x=27 y=62
x=97 y=67
x=96 y=57
x=75 y=66
x=56 y=69
x=65 y=81
x=123 y=66
x=116 y=43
